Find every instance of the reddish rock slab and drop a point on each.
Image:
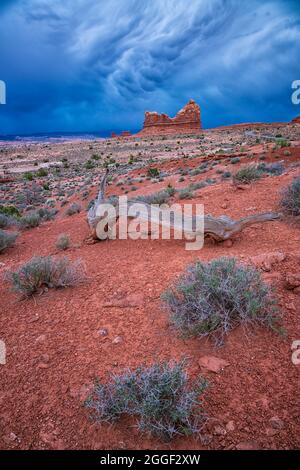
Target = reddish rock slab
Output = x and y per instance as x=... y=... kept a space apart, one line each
x=213 y=364
x=186 y=121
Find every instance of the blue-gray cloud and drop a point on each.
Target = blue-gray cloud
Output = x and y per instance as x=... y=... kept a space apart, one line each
x=85 y=65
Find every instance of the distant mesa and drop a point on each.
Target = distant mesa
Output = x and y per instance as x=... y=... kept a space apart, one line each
x=296 y=120
x=186 y=121
x=123 y=134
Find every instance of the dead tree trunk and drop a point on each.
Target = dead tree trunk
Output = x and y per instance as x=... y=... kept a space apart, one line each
x=217 y=228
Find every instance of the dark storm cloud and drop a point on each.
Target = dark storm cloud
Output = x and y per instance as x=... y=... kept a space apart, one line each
x=81 y=64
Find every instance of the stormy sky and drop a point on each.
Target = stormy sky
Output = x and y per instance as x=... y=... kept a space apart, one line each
x=97 y=65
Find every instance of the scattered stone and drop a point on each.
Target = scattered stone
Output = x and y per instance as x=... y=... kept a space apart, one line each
x=276 y=423
x=213 y=364
x=292 y=281
x=117 y=340
x=266 y=261
x=40 y=339
x=219 y=431
x=228 y=243
x=230 y=426
x=247 y=445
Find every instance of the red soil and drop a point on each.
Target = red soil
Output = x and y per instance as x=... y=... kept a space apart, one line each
x=54 y=349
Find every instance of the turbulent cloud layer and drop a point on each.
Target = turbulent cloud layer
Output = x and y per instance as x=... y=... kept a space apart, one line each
x=83 y=65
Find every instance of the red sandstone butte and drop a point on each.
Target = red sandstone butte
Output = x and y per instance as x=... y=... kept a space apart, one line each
x=186 y=121
x=296 y=120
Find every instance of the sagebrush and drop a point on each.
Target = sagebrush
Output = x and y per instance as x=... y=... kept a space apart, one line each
x=7 y=239
x=291 y=198
x=213 y=298
x=159 y=397
x=46 y=272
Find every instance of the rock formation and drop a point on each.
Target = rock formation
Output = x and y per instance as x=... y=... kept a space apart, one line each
x=186 y=121
x=296 y=120
x=123 y=134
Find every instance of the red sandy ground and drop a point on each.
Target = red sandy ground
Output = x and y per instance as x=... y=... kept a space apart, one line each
x=54 y=349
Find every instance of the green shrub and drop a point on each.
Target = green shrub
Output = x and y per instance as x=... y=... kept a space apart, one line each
x=49 y=272
x=247 y=174
x=291 y=198
x=7 y=239
x=28 y=176
x=213 y=298
x=63 y=242
x=153 y=172
x=42 y=172
x=10 y=210
x=159 y=396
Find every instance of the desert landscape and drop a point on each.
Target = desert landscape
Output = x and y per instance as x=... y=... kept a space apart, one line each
x=111 y=316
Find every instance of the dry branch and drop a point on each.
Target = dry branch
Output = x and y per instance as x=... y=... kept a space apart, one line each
x=218 y=228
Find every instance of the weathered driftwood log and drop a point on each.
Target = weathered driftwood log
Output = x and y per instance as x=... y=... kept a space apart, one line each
x=217 y=228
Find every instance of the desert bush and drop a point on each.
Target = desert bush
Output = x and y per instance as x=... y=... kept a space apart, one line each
x=159 y=396
x=30 y=220
x=63 y=242
x=73 y=209
x=291 y=198
x=161 y=197
x=42 y=172
x=214 y=298
x=28 y=176
x=185 y=193
x=7 y=239
x=153 y=172
x=7 y=221
x=235 y=160
x=274 y=168
x=247 y=174
x=41 y=272
x=10 y=211
x=47 y=214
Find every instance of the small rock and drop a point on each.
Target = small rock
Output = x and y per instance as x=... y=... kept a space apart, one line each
x=249 y=445
x=224 y=206
x=117 y=340
x=292 y=281
x=266 y=261
x=276 y=423
x=230 y=426
x=228 y=243
x=213 y=364
x=219 y=431
x=40 y=339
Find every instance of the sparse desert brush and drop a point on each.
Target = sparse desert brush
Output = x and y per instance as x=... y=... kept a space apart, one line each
x=63 y=242
x=161 y=197
x=30 y=220
x=153 y=172
x=73 y=209
x=46 y=272
x=214 y=298
x=8 y=221
x=7 y=239
x=10 y=211
x=291 y=198
x=235 y=160
x=159 y=397
x=247 y=174
x=185 y=193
